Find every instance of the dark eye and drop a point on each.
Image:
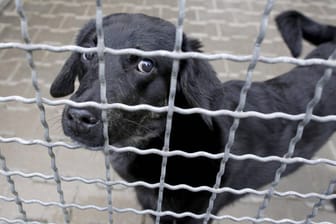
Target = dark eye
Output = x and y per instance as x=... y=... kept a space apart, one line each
x=145 y=65
x=88 y=56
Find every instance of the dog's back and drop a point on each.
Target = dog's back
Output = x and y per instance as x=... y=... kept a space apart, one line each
x=294 y=26
x=289 y=93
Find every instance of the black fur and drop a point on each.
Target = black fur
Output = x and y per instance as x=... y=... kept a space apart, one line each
x=198 y=86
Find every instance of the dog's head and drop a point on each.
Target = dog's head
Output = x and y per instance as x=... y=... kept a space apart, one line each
x=130 y=80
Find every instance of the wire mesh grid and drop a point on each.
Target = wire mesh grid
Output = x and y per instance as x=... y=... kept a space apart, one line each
x=108 y=183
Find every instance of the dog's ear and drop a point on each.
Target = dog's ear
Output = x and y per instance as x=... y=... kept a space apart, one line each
x=197 y=80
x=191 y=44
x=64 y=84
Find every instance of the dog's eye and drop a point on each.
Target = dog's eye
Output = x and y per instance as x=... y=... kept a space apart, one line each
x=88 y=56
x=145 y=65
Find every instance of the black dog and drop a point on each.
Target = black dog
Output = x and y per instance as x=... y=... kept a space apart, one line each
x=135 y=80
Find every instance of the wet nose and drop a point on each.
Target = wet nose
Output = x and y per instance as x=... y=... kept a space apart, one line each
x=81 y=120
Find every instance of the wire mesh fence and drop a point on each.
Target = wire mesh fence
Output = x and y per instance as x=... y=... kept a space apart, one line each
x=108 y=185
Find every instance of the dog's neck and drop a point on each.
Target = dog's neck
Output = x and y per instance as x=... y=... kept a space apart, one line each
x=191 y=130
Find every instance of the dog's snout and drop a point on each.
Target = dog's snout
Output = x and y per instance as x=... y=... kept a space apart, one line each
x=83 y=125
x=82 y=116
x=81 y=120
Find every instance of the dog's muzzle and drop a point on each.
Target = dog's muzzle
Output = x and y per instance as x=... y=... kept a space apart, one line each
x=83 y=125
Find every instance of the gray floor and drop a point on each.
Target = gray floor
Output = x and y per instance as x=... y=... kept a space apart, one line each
x=228 y=26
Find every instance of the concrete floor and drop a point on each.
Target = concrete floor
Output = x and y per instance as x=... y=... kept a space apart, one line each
x=228 y=26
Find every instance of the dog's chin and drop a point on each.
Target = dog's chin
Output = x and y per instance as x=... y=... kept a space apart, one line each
x=88 y=147
x=92 y=145
x=88 y=143
x=92 y=140
x=93 y=148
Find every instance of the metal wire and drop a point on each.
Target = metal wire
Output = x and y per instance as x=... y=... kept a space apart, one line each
x=34 y=77
x=170 y=54
x=234 y=114
x=309 y=111
x=171 y=101
x=13 y=189
x=103 y=97
x=164 y=213
x=287 y=194
x=178 y=152
x=238 y=114
x=241 y=104
x=319 y=204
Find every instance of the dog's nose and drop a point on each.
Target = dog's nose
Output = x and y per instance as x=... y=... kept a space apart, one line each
x=81 y=120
